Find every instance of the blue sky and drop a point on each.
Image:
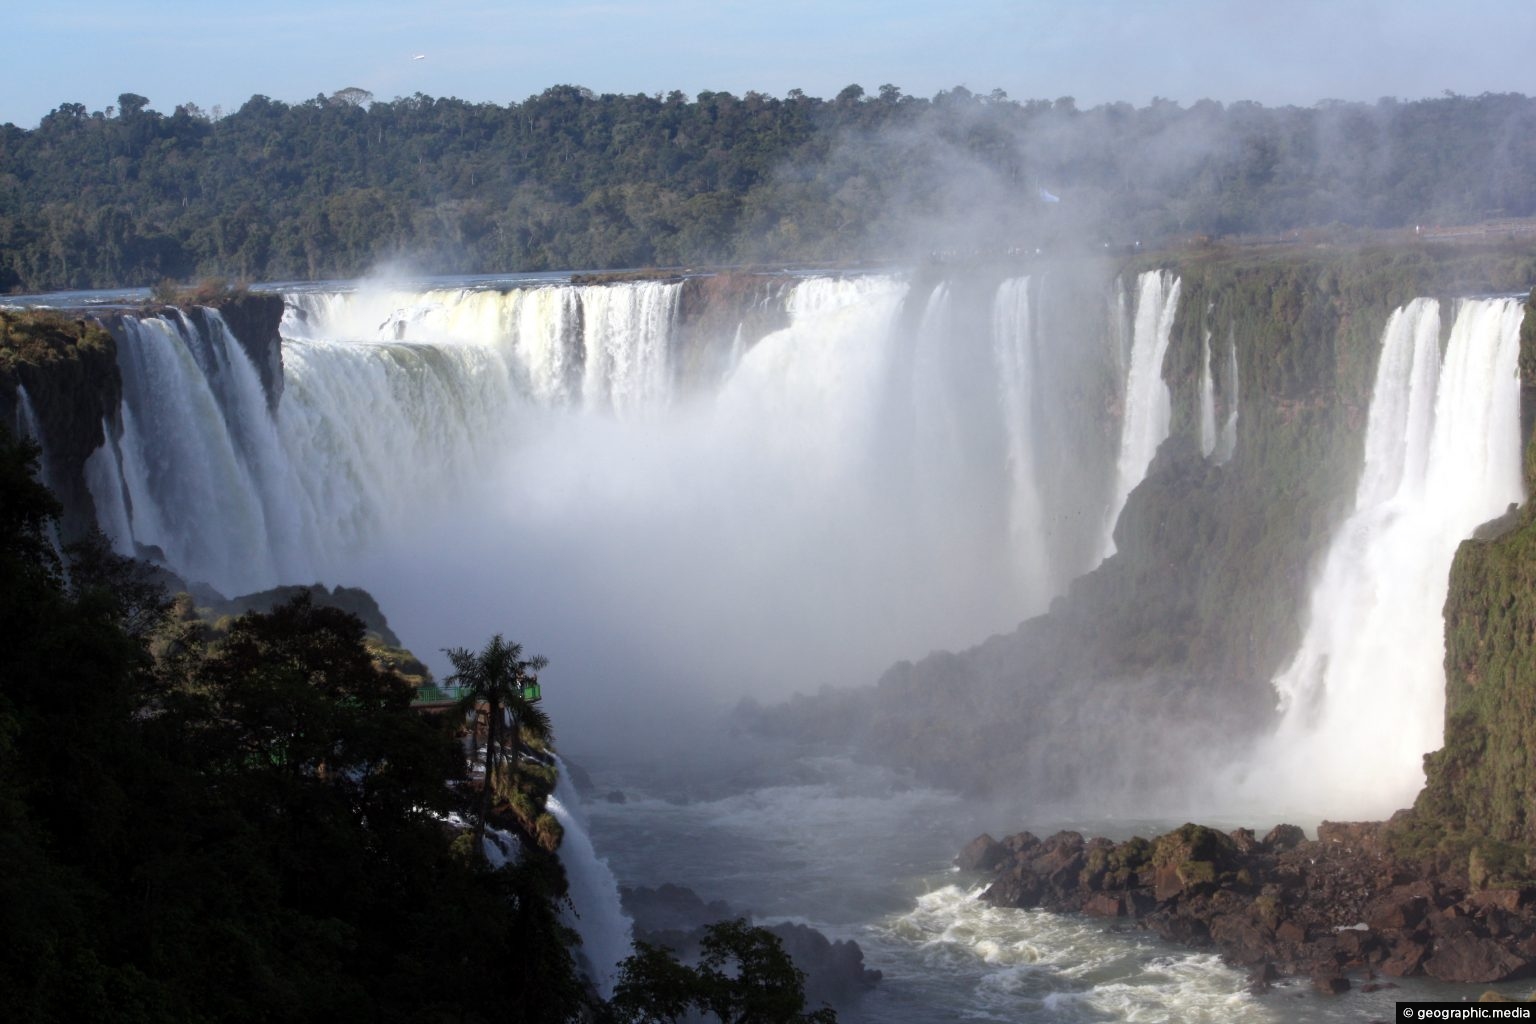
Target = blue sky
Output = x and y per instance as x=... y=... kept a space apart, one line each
x=1286 y=51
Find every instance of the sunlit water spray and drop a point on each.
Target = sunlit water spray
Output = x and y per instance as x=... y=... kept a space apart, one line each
x=864 y=484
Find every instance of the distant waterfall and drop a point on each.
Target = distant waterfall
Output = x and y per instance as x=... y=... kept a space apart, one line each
x=199 y=458
x=1148 y=403
x=607 y=347
x=1207 y=399
x=1363 y=700
x=607 y=933
x=109 y=491
x=1014 y=352
x=27 y=425
x=1226 y=443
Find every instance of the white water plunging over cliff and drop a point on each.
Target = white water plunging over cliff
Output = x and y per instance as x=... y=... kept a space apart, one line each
x=1363 y=699
x=1148 y=403
x=891 y=470
x=1226 y=443
x=607 y=933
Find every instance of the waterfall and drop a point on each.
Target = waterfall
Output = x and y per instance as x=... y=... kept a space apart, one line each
x=888 y=473
x=1363 y=699
x=28 y=425
x=1014 y=351
x=201 y=464
x=1148 y=403
x=1207 y=399
x=607 y=933
x=1226 y=444
x=628 y=331
x=108 y=489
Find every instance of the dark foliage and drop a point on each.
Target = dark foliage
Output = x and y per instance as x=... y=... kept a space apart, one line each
x=569 y=179
x=240 y=832
x=743 y=977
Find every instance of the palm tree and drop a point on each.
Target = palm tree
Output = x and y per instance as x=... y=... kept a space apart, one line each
x=507 y=683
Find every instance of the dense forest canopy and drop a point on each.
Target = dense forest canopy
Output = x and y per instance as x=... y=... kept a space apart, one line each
x=568 y=179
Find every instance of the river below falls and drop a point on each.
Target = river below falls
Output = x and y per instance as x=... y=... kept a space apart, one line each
x=861 y=853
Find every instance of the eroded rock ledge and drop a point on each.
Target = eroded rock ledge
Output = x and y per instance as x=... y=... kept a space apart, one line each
x=1330 y=908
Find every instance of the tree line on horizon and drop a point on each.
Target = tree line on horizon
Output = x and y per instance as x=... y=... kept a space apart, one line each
x=339 y=185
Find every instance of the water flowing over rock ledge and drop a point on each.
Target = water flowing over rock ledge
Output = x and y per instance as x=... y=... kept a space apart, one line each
x=1343 y=904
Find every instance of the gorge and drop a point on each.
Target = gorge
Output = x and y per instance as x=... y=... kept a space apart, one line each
x=1145 y=534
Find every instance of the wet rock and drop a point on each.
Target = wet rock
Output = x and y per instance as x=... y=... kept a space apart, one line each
x=981 y=854
x=1103 y=904
x=834 y=971
x=1468 y=957
x=1284 y=837
x=1262 y=978
x=676 y=917
x=1318 y=908
x=1406 y=958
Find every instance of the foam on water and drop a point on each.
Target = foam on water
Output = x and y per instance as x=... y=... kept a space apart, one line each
x=1030 y=965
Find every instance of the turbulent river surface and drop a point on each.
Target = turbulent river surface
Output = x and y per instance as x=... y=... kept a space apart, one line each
x=861 y=853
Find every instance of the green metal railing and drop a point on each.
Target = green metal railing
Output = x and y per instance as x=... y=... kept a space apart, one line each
x=432 y=693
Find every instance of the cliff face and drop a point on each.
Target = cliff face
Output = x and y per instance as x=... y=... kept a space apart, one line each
x=66 y=369
x=1482 y=784
x=719 y=311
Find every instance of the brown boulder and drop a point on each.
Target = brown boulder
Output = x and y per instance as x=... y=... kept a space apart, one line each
x=1510 y=900
x=1353 y=836
x=1396 y=910
x=1104 y=904
x=981 y=854
x=1468 y=957
x=1243 y=840
x=1284 y=837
